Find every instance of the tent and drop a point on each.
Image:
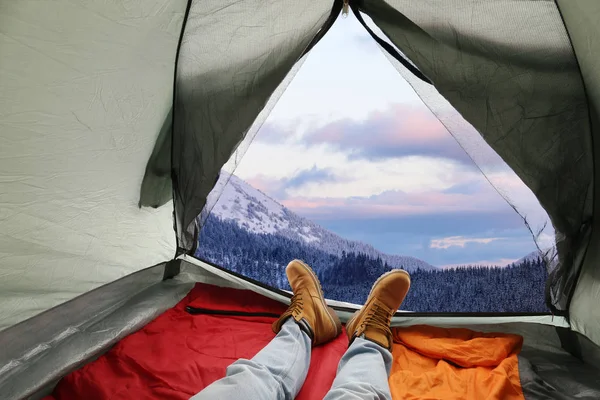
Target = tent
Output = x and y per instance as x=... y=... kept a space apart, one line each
x=116 y=118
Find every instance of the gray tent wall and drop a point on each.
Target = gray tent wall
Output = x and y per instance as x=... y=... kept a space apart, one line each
x=84 y=89
x=582 y=21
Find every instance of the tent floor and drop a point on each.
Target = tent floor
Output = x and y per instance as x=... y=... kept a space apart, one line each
x=36 y=370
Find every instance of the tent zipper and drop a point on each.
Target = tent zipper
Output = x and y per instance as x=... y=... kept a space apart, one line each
x=229 y=313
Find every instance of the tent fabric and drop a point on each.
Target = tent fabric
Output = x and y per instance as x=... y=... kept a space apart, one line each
x=519 y=197
x=38 y=352
x=157 y=188
x=581 y=19
x=226 y=73
x=20 y=344
x=84 y=89
x=242 y=147
x=32 y=372
x=180 y=353
x=549 y=375
x=463 y=364
x=508 y=68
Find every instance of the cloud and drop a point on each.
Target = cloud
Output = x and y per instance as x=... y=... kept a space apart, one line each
x=463 y=188
x=279 y=188
x=412 y=235
x=399 y=131
x=322 y=184
x=481 y=198
x=277 y=163
x=313 y=175
x=459 y=241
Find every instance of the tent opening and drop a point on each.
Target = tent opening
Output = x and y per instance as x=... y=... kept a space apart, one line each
x=353 y=173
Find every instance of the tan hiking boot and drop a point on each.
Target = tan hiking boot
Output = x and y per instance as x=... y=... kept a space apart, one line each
x=308 y=306
x=373 y=320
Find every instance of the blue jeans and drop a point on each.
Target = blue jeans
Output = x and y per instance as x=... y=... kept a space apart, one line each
x=278 y=371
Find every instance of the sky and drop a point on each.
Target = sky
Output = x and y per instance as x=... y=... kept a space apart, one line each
x=351 y=146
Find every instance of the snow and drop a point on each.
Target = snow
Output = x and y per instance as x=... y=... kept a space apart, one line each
x=308 y=238
x=238 y=198
x=256 y=212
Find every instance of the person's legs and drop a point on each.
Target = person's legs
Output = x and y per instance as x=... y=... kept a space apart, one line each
x=276 y=372
x=362 y=373
x=365 y=367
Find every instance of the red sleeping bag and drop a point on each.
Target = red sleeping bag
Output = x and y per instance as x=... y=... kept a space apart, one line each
x=182 y=351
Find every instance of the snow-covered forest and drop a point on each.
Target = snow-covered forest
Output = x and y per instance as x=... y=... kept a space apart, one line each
x=348 y=276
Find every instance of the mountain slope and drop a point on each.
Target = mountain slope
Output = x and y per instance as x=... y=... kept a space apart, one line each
x=256 y=212
x=533 y=256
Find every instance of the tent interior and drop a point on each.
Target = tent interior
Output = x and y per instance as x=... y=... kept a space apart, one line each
x=117 y=119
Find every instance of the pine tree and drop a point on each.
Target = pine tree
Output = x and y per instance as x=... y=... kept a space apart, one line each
x=348 y=277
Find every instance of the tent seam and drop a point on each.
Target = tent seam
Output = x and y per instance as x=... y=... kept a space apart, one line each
x=174 y=181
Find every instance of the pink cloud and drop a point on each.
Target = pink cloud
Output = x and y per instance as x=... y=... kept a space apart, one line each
x=472 y=197
x=400 y=130
x=396 y=203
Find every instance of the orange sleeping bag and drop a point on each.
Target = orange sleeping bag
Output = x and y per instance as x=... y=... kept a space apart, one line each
x=454 y=363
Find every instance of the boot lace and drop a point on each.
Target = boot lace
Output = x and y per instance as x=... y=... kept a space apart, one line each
x=378 y=318
x=296 y=305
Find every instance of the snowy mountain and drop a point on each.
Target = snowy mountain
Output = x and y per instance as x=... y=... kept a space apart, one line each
x=533 y=256
x=256 y=212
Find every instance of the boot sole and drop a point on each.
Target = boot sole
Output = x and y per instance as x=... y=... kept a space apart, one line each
x=330 y=311
x=394 y=271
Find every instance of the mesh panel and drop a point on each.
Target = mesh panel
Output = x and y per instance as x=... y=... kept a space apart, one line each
x=508 y=69
x=233 y=56
x=231 y=165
